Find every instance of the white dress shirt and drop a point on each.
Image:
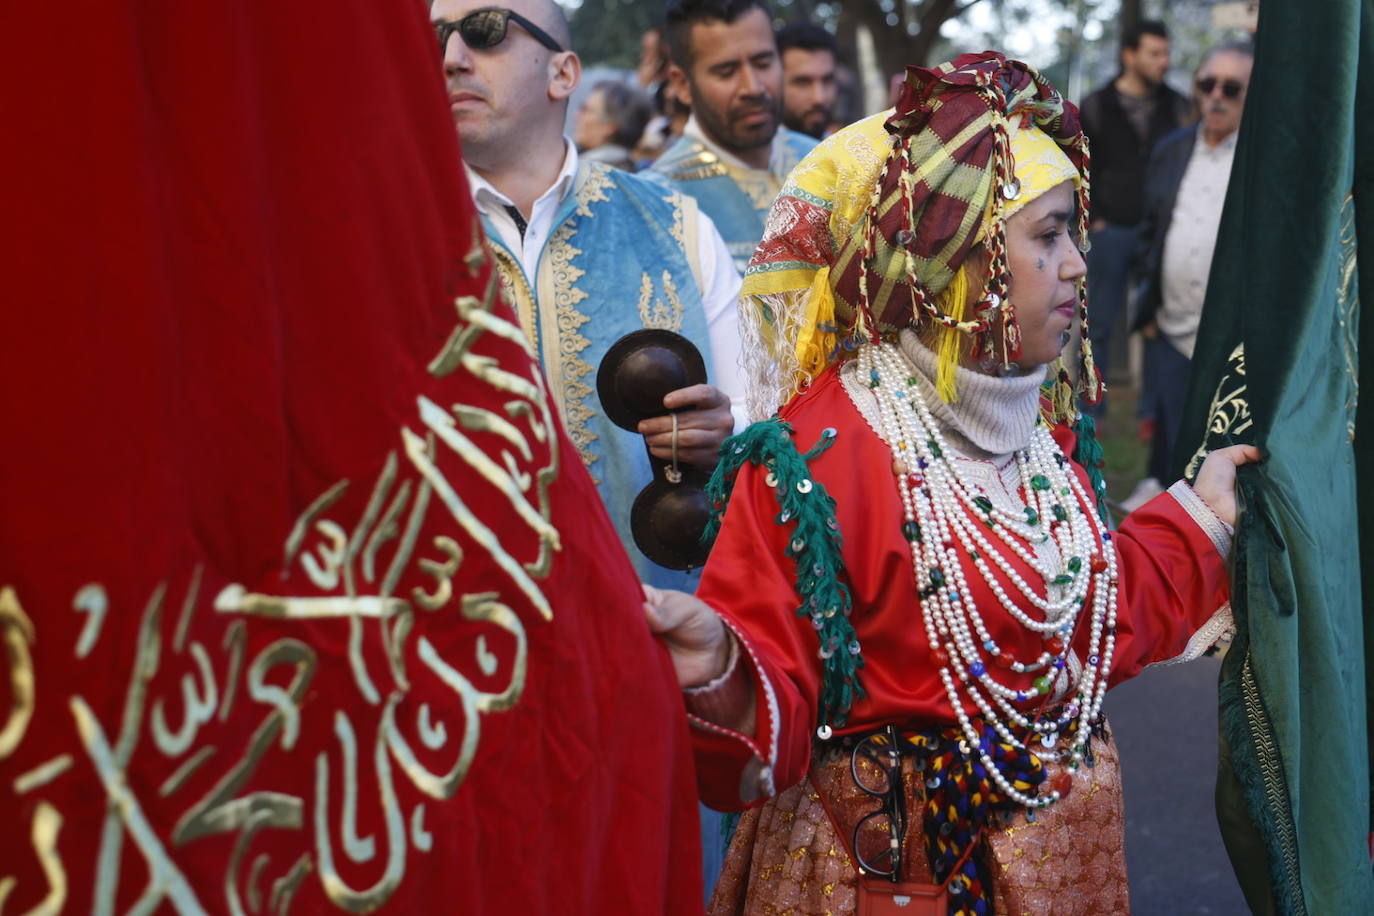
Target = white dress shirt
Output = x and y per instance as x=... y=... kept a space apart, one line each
x=719 y=280
x=1191 y=238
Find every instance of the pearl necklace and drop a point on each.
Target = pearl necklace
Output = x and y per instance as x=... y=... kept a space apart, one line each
x=946 y=521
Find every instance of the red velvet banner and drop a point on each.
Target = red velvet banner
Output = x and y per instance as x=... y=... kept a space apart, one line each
x=306 y=601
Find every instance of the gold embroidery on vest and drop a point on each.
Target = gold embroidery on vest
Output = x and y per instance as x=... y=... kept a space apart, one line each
x=517 y=292
x=571 y=379
x=593 y=188
x=653 y=313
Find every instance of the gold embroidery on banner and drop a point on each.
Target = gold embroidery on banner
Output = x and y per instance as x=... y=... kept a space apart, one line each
x=198 y=707
x=384 y=532
x=323 y=551
x=254 y=876
x=256 y=821
x=443 y=574
x=17 y=632
x=92 y=600
x=233 y=642
x=418 y=834
x=219 y=811
x=188 y=608
x=1347 y=309
x=433 y=735
x=359 y=849
x=654 y=313
x=42 y=774
x=184 y=772
x=297 y=536
x=47 y=824
x=339 y=892
x=1229 y=415
x=356 y=664
x=284 y=888
x=1275 y=781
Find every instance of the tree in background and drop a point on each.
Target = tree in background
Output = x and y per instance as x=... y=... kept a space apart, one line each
x=608 y=32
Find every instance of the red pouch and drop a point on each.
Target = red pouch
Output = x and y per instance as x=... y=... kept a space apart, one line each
x=905 y=898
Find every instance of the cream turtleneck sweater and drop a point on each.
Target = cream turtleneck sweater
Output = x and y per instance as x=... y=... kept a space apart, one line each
x=991 y=417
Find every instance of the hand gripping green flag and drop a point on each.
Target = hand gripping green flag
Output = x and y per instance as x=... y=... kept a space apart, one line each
x=1277 y=365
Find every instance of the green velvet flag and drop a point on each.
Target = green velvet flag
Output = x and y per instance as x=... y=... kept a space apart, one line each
x=1277 y=365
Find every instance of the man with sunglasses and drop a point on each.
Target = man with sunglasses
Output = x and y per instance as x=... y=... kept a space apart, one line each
x=732 y=156
x=1124 y=120
x=588 y=253
x=1185 y=187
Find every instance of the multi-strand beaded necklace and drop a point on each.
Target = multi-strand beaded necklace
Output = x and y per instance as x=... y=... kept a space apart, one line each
x=950 y=524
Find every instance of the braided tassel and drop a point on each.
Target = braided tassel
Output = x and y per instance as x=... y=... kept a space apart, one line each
x=815 y=547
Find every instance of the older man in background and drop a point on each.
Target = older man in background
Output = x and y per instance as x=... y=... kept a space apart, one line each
x=732 y=156
x=1185 y=187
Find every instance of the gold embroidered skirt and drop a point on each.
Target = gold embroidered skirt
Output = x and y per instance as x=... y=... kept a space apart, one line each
x=787 y=857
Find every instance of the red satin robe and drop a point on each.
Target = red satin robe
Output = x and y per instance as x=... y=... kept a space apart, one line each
x=1171 y=580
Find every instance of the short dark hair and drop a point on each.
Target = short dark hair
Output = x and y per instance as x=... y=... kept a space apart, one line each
x=1130 y=37
x=806 y=36
x=627 y=108
x=680 y=15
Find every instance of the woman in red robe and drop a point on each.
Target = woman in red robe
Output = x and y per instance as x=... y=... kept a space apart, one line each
x=913 y=608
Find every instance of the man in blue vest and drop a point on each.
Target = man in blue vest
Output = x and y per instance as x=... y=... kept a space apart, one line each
x=587 y=253
x=732 y=156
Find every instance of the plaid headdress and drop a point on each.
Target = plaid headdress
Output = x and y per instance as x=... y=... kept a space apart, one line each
x=876 y=223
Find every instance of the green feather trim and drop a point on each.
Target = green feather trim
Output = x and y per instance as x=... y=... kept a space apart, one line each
x=1087 y=452
x=815 y=546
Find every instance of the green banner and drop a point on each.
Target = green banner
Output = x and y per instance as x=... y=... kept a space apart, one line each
x=1277 y=365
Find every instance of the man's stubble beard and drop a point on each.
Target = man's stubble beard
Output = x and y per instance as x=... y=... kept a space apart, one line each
x=722 y=132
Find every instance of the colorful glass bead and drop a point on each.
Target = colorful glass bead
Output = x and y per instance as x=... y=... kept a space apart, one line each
x=934 y=448
x=937 y=576
x=1032 y=517
x=1098 y=565
x=976 y=669
x=982 y=502
x=1040 y=482
x=912 y=532
x=1062 y=580
x=1075 y=564
x=1041 y=685
x=1062 y=782
x=1059 y=514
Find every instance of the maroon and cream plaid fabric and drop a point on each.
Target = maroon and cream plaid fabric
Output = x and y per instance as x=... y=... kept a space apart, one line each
x=950 y=155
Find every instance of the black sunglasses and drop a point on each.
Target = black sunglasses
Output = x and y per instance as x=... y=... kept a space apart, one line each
x=486 y=28
x=1229 y=88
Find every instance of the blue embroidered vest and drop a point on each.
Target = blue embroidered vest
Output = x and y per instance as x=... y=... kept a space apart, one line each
x=736 y=198
x=621 y=256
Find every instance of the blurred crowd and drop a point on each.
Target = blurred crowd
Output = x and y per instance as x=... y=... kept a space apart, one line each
x=1147 y=270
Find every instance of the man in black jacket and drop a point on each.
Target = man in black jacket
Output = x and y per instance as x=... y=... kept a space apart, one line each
x=1123 y=120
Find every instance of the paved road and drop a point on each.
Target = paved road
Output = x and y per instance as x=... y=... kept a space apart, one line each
x=1165 y=722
